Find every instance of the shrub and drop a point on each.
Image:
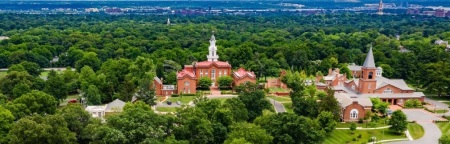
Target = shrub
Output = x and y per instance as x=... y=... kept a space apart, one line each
x=354 y=139
x=359 y=136
x=360 y=120
x=372 y=124
x=375 y=118
x=189 y=94
x=175 y=95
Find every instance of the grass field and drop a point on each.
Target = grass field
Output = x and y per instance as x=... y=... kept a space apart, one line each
x=445 y=128
x=280 y=99
x=220 y=99
x=166 y=109
x=415 y=130
x=184 y=99
x=345 y=136
x=278 y=90
x=288 y=107
x=448 y=103
x=2 y=74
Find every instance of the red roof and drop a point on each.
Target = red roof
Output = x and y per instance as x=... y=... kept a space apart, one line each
x=241 y=72
x=184 y=72
x=209 y=63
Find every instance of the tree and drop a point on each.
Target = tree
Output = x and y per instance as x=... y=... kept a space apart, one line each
x=437 y=79
x=146 y=94
x=10 y=82
x=225 y=81
x=127 y=90
x=353 y=126
x=56 y=87
x=379 y=106
x=92 y=95
x=294 y=81
x=304 y=106
x=204 y=82
x=89 y=59
x=254 y=100
x=76 y=118
x=326 y=121
x=398 y=121
x=194 y=126
x=237 y=109
x=345 y=70
x=44 y=129
x=101 y=134
x=250 y=132
x=6 y=122
x=330 y=104
x=32 y=68
x=34 y=102
x=87 y=77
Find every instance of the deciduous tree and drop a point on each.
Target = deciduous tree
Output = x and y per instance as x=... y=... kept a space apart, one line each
x=398 y=121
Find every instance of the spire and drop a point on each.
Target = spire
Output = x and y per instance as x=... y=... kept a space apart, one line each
x=369 y=62
x=212 y=56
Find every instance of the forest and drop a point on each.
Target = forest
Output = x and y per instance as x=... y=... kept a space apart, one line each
x=118 y=56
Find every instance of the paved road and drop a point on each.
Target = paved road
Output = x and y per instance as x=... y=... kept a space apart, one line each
x=431 y=136
x=420 y=115
x=439 y=104
x=279 y=107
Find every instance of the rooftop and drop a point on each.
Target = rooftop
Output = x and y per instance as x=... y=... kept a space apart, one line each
x=369 y=62
x=241 y=72
x=185 y=72
x=209 y=63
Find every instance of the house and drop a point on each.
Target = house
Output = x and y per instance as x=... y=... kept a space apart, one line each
x=100 y=111
x=333 y=78
x=242 y=76
x=368 y=82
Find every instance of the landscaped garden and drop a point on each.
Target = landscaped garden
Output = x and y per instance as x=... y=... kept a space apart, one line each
x=281 y=99
x=360 y=136
x=415 y=130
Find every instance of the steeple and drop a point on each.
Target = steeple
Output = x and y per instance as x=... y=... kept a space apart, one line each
x=168 y=21
x=369 y=62
x=212 y=56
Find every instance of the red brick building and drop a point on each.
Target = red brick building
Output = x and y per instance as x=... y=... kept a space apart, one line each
x=354 y=95
x=212 y=68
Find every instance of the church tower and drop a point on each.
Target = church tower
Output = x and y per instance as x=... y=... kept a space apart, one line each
x=367 y=83
x=212 y=56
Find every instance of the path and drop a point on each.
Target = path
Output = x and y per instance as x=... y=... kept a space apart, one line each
x=215 y=91
x=360 y=128
x=279 y=107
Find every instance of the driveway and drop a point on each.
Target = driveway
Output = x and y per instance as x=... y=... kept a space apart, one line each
x=420 y=115
x=279 y=107
x=431 y=136
x=438 y=104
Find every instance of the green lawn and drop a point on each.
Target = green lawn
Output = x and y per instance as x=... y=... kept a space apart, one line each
x=415 y=130
x=288 y=107
x=445 y=128
x=166 y=109
x=2 y=74
x=345 y=136
x=70 y=97
x=437 y=111
x=363 y=125
x=184 y=99
x=448 y=103
x=278 y=90
x=222 y=100
x=280 y=98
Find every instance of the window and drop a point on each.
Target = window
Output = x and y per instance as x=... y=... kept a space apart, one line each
x=186 y=83
x=387 y=90
x=370 y=75
x=206 y=72
x=201 y=73
x=213 y=74
x=225 y=72
x=354 y=114
x=220 y=73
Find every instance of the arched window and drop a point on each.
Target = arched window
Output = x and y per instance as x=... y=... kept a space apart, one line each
x=354 y=114
x=370 y=75
x=353 y=87
x=387 y=90
x=186 y=83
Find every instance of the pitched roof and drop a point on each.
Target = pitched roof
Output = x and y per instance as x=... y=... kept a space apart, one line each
x=241 y=72
x=185 y=72
x=115 y=105
x=209 y=63
x=369 y=62
x=157 y=80
x=346 y=100
x=354 y=67
x=399 y=83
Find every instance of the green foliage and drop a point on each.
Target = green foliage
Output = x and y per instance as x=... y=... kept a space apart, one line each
x=237 y=109
x=32 y=68
x=254 y=100
x=14 y=84
x=56 y=86
x=413 y=103
x=398 y=121
x=330 y=104
x=225 y=81
x=45 y=129
x=89 y=59
x=379 y=106
x=353 y=126
x=204 y=82
x=444 y=139
x=96 y=133
x=92 y=95
x=345 y=70
x=326 y=121
x=6 y=122
x=34 y=102
x=76 y=118
x=251 y=133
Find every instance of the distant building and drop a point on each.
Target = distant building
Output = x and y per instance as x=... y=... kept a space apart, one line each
x=100 y=111
x=3 y=38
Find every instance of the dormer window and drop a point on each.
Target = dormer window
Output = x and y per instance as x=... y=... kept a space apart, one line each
x=387 y=90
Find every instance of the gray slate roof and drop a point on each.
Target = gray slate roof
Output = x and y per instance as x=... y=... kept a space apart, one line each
x=369 y=62
x=115 y=105
x=345 y=100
